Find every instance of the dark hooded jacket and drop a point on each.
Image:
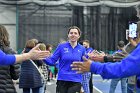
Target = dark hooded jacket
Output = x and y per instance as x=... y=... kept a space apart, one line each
x=29 y=76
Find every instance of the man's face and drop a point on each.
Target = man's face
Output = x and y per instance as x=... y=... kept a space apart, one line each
x=85 y=44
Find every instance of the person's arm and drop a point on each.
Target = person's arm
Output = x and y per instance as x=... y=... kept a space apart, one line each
x=6 y=59
x=54 y=57
x=108 y=58
x=101 y=57
x=22 y=57
x=116 y=57
x=128 y=66
x=11 y=59
x=33 y=54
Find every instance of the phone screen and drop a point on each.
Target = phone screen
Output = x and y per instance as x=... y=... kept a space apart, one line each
x=132 y=30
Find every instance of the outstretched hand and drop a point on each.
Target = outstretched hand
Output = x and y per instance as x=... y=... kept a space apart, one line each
x=37 y=54
x=81 y=67
x=96 y=56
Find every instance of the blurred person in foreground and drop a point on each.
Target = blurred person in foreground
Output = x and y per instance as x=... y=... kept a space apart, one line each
x=7 y=73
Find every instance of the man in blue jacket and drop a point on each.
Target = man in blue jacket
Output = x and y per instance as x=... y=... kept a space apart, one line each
x=87 y=77
x=114 y=82
x=128 y=66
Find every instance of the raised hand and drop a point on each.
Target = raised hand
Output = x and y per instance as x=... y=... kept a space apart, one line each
x=37 y=54
x=96 y=56
x=81 y=67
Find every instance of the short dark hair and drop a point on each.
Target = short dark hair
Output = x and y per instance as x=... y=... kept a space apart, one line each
x=74 y=27
x=121 y=44
x=30 y=43
x=87 y=41
x=48 y=46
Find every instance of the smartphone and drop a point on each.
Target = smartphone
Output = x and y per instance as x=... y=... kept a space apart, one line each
x=132 y=30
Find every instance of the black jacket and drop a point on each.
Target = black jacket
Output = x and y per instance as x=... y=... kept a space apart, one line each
x=6 y=83
x=29 y=76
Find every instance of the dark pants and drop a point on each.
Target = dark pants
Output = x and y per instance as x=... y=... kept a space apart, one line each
x=49 y=75
x=68 y=87
x=55 y=71
x=34 y=90
x=91 y=84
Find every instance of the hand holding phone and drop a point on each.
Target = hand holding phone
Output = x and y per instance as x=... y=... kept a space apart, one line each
x=132 y=30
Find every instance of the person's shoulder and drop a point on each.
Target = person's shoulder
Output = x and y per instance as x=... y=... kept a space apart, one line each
x=81 y=46
x=1 y=52
x=90 y=48
x=138 y=44
x=63 y=44
x=9 y=50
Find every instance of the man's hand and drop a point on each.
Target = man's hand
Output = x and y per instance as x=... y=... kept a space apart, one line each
x=96 y=56
x=82 y=67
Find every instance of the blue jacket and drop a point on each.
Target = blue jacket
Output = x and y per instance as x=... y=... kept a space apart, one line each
x=128 y=66
x=66 y=55
x=88 y=50
x=6 y=59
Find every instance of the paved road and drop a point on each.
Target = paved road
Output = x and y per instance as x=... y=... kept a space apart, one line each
x=104 y=85
x=100 y=86
x=51 y=87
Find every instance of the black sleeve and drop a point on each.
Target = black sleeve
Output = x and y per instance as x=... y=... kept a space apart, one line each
x=108 y=58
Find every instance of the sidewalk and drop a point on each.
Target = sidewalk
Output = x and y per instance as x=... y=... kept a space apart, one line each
x=100 y=86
